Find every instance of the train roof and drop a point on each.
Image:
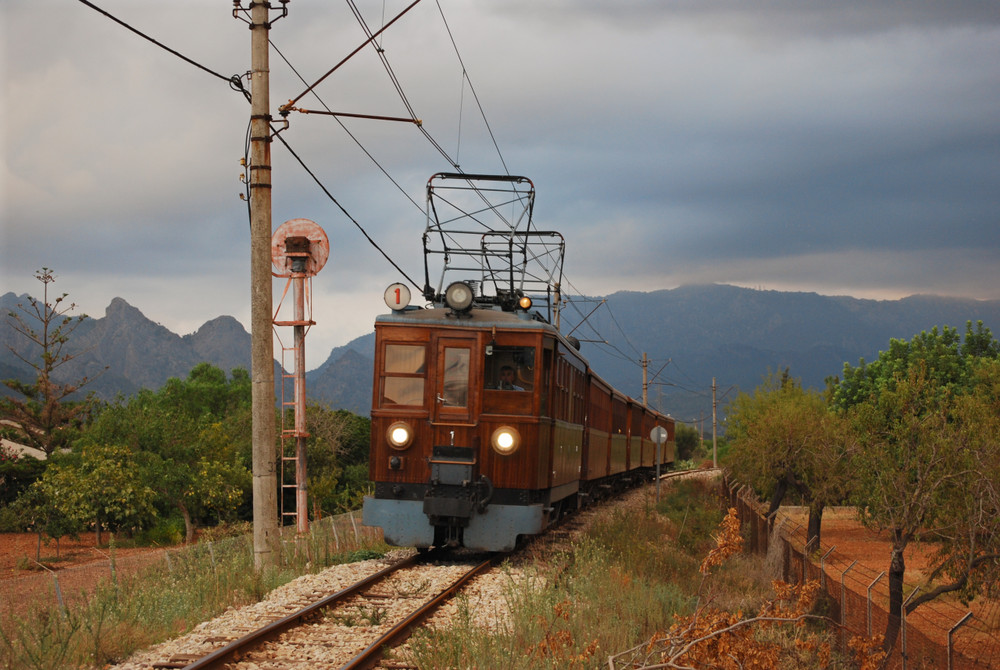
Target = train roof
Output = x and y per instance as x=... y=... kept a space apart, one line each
x=474 y=318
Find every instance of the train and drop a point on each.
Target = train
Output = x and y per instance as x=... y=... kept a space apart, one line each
x=487 y=422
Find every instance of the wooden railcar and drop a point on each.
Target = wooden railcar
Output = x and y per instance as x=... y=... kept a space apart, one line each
x=488 y=424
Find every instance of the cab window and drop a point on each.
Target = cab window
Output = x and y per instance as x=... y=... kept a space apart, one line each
x=404 y=375
x=456 y=376
x=510 y=368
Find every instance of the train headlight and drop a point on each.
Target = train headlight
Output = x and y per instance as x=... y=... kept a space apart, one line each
x=399 y=435
x=505 y=440
x=458 y=296
x=524 y=303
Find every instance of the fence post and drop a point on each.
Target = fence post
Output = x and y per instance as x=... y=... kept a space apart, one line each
x=805 y=560
x=55 y=579
x=951 y=632
x=902 y=618
x=354 y=525
x=870 y=587
x=843 y=605
x=111 y=562
x=822 y=567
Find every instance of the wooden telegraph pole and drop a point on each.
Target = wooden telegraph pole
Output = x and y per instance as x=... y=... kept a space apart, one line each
x=265 y=481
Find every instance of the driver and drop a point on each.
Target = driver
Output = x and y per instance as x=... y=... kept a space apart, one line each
x=507 y=379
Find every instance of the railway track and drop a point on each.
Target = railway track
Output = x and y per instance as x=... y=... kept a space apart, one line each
x=366 y=613
x=351 y=628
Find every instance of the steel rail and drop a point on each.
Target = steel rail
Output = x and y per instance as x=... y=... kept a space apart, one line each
x=398 y=633
x=228 y=653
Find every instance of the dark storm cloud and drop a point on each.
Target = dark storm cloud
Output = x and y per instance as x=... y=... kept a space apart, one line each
x=836 y=147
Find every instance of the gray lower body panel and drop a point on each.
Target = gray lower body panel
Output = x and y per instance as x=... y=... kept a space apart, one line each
x=404 y=524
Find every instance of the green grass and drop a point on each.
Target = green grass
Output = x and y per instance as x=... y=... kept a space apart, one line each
x=623 y=582
x=632 y=572
x=195 y=584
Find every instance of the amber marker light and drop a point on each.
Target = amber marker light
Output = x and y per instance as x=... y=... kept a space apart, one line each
x=399 y=435
x=505 y=440
x=524 y=303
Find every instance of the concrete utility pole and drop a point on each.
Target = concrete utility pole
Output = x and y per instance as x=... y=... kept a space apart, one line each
x=265 y=481
x=645 y=382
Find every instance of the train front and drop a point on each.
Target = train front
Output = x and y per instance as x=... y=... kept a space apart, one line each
x=458 y=448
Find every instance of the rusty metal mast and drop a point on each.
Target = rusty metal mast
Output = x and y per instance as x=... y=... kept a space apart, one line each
x=299 y=249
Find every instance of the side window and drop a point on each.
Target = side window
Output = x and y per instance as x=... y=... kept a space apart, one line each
x=403 y=374
x=510 y=369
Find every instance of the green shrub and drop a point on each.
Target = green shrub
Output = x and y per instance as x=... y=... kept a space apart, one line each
x=167 y=532
x=693 y=512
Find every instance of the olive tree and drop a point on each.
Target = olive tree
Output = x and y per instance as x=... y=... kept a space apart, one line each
x=925 y=419
x=784 y=440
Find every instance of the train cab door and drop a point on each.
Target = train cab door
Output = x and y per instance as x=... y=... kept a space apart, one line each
x=455 y=391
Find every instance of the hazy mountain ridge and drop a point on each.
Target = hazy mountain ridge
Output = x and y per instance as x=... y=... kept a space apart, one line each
x=731 y=333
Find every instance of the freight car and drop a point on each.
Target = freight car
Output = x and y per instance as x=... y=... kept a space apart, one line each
x=487 y=422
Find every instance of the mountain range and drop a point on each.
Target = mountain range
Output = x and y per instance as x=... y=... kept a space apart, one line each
x=690 y=335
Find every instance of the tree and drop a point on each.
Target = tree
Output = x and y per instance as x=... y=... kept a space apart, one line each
x=115 y=493
x=186 y=441
x=925 y=418
x=55 y=505
x=784 y=439
x=337 y=453
x=687 y=440
x=17 y=473
x=43 y=415
x=946 y=360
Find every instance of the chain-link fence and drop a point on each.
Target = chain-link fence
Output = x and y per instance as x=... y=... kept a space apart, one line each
x=938 y=634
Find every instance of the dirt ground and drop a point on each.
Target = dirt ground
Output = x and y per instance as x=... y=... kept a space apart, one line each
x=18 y=553
x=845 y=542
x=79 y=566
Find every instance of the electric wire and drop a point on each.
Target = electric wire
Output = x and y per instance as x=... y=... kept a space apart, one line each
x=346 y=58
x=341 y=207
x=234 y=81
x=380 y=52
x=472 y=88
x=361 y=146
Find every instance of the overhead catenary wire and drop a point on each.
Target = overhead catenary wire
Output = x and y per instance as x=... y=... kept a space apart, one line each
x=345 y=212
x=371 y=157
x=472 y=89
x=236 y=83
x=380 y=52
x=346 y=58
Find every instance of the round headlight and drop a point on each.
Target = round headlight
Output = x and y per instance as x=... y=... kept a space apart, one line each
x=524 y=303
x=505 y=440
x=399 y=435
x=458 y=296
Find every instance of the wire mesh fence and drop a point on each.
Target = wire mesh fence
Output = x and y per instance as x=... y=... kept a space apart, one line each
x=939 y=634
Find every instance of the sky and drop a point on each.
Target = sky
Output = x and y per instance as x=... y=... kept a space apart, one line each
x=847 y=148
